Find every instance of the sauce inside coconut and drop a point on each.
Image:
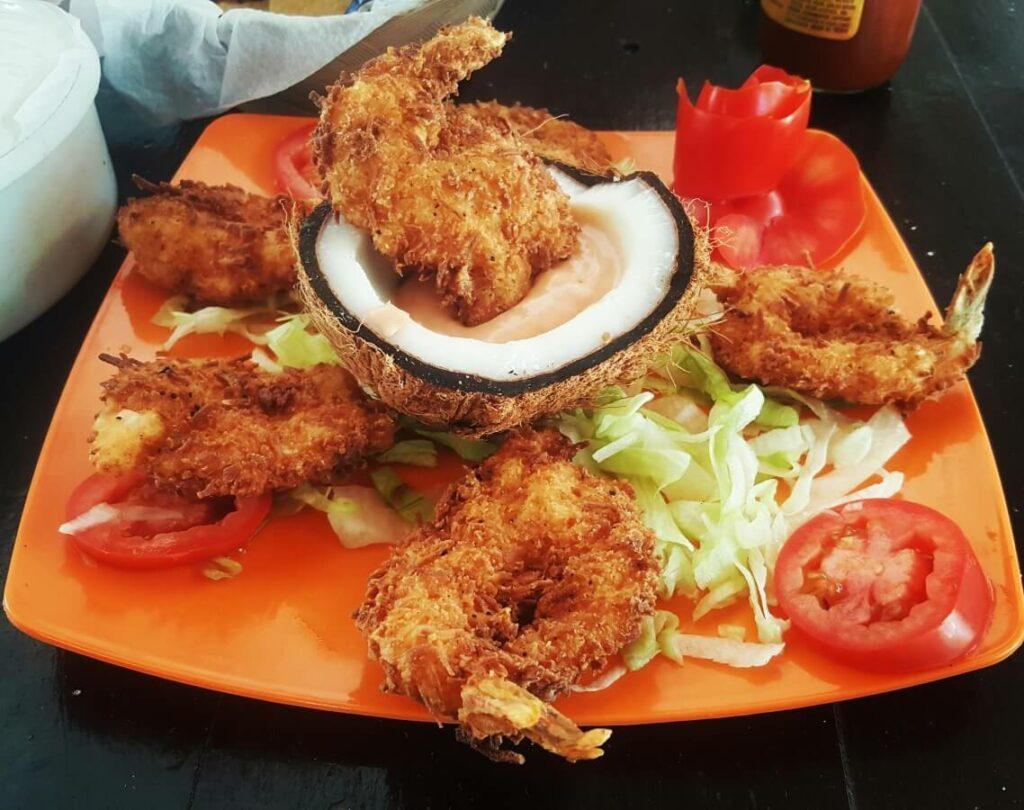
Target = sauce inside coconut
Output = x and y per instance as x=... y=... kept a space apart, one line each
x=557 y=295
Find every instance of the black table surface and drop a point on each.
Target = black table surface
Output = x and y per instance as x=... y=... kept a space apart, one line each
x=944 y=147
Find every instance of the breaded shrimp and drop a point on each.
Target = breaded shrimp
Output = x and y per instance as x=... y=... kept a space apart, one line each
x=837 y=336
x=226 y=427
x=214 y=244
x=548 y=137
x=442 y=194
x=533 y=574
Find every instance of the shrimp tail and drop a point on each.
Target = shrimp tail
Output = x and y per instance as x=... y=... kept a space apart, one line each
x=495 y=707
x=966 y=312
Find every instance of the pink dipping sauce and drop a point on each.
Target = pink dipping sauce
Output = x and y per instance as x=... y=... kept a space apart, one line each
x=557 y=295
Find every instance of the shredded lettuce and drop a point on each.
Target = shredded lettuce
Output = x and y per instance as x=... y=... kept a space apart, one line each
x=222 y=568
x=265 y=361
x=723 y=474
x=657 y=634
x=721 y=595
x=412 y=506
x=726 y=650
x=601 y=682
x=682 y=409
x=295 y=346
x=779 y=450
x=417 y=452
x=689 y=367
x=211 y=320
x=657 y=516
x=851 y=447
x=888 y=434
x=676 y=571
x=325 y=501
x=356 y=514
x=733 y=631
x=468 y=449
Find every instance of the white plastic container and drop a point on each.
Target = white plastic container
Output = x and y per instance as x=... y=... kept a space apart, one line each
x=57 y=189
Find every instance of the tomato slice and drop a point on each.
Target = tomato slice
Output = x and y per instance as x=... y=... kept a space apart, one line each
x=886 y=585
x=739 y=239
x=293 y=165
x=101 y=489
x=123 y=521
x=738 y=143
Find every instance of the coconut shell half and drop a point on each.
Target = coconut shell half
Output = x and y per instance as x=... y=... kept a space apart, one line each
x=475 y=405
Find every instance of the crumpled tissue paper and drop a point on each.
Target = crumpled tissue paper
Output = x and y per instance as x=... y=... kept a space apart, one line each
x=175 y=60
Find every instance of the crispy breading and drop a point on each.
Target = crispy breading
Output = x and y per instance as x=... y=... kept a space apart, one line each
x=836 y=336
x=533 y=574
x=547 y=136
x=441 y=194
x=226 y=427
x=215 y=244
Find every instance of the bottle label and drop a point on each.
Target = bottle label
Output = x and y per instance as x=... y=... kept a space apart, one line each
x=828 y=19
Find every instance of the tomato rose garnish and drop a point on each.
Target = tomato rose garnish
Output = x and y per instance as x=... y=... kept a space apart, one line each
x=884 y=585
x=736 y=143
x=777 y=193
x=293 y=165
x=124 y=521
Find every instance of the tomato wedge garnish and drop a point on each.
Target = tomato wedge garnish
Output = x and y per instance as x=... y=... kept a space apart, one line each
x=778 y=193
x=886 y=585
x=125 y=522
x=293 y=165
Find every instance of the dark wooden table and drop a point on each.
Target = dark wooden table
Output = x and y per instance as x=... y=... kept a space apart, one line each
x=944 y=146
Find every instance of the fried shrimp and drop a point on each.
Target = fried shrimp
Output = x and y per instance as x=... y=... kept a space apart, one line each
x=547 y=136
x=215 y=244
x=442 y=194
x=532 y=575
x=837 y=336
x=226 y=427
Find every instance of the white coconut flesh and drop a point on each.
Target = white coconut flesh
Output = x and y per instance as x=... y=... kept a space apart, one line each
x=634 y=217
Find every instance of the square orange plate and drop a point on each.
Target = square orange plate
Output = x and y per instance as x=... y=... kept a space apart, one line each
x=282 y=630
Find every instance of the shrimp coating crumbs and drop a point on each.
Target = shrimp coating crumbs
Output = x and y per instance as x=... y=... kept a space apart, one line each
x=215 y=244
x=209 y=428
x=548 y=137
x=532 y=575
x=836 y=336
x=441 y=193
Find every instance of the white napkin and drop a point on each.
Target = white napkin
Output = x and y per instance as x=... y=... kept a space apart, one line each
x=181 y=59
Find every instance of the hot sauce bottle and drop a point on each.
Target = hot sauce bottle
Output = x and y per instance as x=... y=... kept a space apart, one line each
x=840 y=45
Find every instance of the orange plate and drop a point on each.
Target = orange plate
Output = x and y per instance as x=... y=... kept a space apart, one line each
x=282 y=630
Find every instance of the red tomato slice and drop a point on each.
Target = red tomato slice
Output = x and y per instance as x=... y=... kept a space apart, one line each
x=885 y=585
x=737 y=143
x=293 y=165
x=101 y=489
x=815 y=211
x=822 y=201
x=739 y=239
x=152 y=529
